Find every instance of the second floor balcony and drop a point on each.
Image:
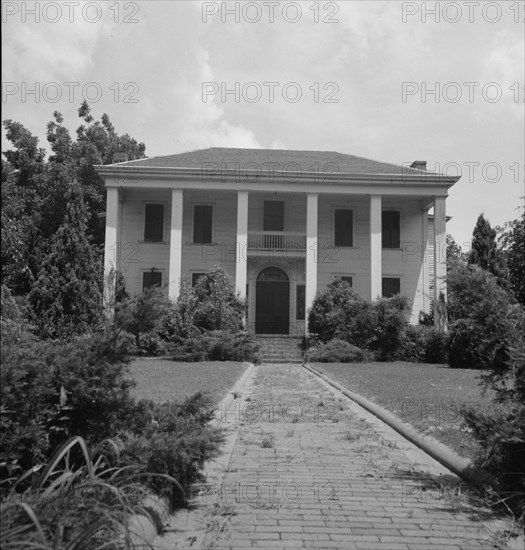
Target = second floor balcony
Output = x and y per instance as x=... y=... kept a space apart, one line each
x=277 y=241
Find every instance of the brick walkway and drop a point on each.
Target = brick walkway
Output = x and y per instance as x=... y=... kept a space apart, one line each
x=309 y=469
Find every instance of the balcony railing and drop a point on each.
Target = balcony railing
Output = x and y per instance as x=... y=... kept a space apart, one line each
x=268 y=240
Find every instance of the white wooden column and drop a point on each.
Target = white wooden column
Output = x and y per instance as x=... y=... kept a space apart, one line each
x=312 y=200
x=241 y=275
x=440 y=253
x=111 y=249
x=376 y=275
x=175 y=243
x=424 y=261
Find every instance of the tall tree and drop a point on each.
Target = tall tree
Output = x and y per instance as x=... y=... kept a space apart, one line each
x=97 y=142
x=66 y=297
x=34 y=191
x=512 y=243
x=485 y=252
x=454 y=251
x=23 y=174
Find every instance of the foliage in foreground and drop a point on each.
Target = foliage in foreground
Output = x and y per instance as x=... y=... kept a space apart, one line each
x=77 y=500
x=500 y=430
x=51 y=391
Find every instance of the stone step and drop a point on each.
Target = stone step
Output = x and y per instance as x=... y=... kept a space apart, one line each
x=280 y=349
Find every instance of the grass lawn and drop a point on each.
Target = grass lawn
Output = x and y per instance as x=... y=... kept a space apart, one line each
x=164 y=380
x=429 y=397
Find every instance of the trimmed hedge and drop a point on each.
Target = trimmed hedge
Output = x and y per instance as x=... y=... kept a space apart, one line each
x=336 y=351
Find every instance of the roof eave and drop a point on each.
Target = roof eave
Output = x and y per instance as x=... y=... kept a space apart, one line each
x=278 y=176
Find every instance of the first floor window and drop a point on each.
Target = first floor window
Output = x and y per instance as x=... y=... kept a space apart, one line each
x=346 y=278
x=151 y=279
x=195 y=278
x=344 y=228
x=391 y=286
x=154 y=223
x=202 y=223
x=300 y=303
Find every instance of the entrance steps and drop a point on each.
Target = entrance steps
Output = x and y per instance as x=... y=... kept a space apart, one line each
x=280 y=349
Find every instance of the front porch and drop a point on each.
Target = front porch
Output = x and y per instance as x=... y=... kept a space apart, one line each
x=369 y=228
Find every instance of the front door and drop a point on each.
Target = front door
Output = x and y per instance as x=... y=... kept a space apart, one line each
x=272 y=306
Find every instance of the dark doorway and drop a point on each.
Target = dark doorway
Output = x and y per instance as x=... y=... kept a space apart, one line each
x=272 y=306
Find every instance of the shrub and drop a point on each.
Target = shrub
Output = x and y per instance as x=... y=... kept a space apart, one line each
x=217 y=346
x=190 y=350
x=50 y=390
x=339 y=312
x=425 y=344
x=487 y=331
x=217 y=308
x=336 y=351
x=178 y=325
x=151 y=344
x=501 y=435
x=170 y=438
x=143 y=313
x=391 y=324
x=224 y=346
x=483 y=320
x=435 y=346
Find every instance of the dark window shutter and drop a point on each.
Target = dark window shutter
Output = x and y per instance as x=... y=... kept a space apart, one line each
x=273 y=216
x=300 y=303
x=391 y=234
x=344 y=228
x=154 y=223
x=391 y=286
x=202 y=223
x=151 y=279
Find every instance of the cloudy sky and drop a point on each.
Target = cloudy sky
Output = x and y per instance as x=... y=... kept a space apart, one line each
x=386 y=80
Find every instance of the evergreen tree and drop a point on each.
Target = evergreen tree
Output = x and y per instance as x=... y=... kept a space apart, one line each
x=512 y=243
x=485 y=253
x=35 y=191
x=66 y=297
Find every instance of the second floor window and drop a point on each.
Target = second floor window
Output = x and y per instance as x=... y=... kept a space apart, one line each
x=273 y=216
x=154 y=223
x=391 y=232
x=343 y=228
x=202 y=223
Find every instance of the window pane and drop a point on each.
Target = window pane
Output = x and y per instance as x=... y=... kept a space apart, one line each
x=390 y=229
x=154 y=223
x=391 y=286
x=195 y=277
x=343 y=228
x=151 y=279
x=202 y=223
x=273 y=216
x=347 y=280
x=300 y=303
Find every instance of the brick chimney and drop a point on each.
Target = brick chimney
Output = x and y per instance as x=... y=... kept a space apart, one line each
x=419 y=165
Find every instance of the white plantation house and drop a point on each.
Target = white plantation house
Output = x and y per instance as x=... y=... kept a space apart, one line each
x=283 y=224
